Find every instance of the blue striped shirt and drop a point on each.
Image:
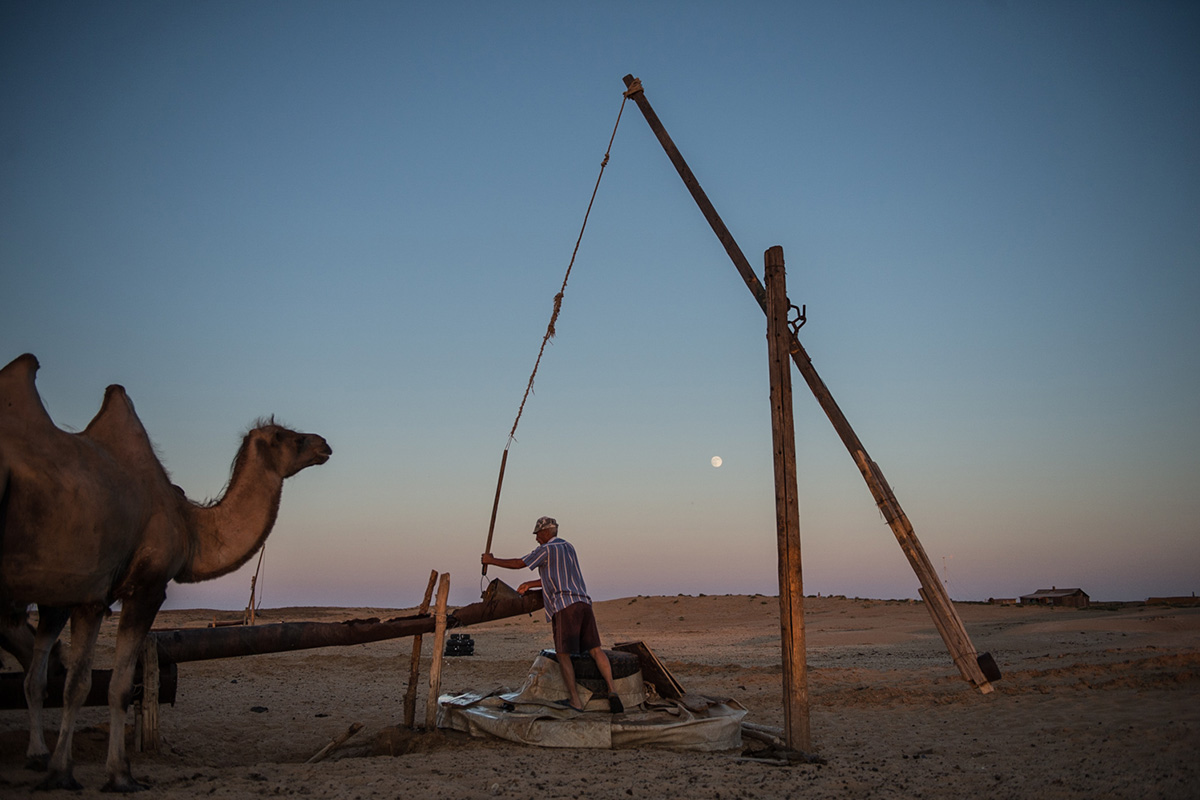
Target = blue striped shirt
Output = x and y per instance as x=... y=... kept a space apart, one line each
x=558 y=568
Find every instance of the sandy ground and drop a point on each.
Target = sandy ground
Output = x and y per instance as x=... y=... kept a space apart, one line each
x=1098 y=703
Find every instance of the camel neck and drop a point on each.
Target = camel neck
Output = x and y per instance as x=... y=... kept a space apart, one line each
x=227 y=534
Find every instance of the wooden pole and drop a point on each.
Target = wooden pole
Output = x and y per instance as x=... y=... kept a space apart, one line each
x=941 y=609
x=439 y=644
x=787 y=509
x=487 y=548
x=146 y=733
x=414 y=666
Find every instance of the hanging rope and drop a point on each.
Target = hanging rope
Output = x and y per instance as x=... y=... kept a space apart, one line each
x=550 y=332
x=558 y=298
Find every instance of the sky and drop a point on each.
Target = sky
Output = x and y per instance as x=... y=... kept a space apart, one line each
x=355 y=216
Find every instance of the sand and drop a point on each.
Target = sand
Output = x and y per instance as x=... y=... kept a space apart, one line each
x=1097 y=703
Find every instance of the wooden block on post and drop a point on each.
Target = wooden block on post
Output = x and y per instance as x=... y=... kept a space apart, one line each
x=439 y=644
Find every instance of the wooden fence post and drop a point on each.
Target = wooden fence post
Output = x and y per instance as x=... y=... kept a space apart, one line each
x=414 y=666
x=146 y=727
x=439 y=643
x=787 y=509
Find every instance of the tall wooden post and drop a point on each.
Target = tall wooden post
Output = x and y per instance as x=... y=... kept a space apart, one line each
x=945 y=616
x=439 y=644
x=414 y=664
x=787 y=509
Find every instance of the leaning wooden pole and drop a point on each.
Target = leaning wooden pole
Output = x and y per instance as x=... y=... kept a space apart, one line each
x=787 y=510
x=945 y=616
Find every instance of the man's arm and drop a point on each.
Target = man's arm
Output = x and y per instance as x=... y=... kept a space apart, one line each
x=529 y=586
x=489 y=560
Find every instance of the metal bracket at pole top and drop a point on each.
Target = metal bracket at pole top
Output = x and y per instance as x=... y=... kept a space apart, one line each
x=797 y=323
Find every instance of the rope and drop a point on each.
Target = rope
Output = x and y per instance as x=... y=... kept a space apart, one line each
x=550 y=332
x=558 y=298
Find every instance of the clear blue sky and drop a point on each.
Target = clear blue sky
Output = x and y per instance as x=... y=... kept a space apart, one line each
x=355 y=216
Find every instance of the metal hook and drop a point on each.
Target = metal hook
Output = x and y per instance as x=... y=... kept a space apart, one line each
x=797 y=323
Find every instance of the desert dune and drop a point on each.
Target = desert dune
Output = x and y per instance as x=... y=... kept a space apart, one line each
x=1095 y=703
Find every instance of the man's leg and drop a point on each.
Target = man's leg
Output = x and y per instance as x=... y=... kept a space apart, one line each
x=614 y=701
x=566 y=641
x=568 y=672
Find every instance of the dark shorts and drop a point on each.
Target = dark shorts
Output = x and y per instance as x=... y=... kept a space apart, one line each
x=575 y=629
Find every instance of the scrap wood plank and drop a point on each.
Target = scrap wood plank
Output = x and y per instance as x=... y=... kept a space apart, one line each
x=335 y=743
x=654 y=671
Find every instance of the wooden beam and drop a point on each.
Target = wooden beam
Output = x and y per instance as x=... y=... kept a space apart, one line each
x=199 y=644
x=945 y=617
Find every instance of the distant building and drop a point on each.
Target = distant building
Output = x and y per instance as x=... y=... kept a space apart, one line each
x=1002 y=601
x=1072 y=598
x=1174 y=601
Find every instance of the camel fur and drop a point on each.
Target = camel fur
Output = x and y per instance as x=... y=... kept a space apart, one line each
x=90 y=519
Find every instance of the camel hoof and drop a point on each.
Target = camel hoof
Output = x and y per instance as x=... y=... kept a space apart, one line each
x=59 y=780
x=38 y=763
x=125 y=784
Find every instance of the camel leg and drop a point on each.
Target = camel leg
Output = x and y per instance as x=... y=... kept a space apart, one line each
x=85 y=627
x=137 y=615
x=50 y=625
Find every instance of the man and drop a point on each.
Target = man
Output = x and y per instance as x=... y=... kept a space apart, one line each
x=568 y=606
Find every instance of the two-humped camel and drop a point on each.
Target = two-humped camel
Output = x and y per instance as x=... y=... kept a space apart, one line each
x=92 y=518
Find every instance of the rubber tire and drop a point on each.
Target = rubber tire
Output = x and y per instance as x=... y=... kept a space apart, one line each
x=623 y=664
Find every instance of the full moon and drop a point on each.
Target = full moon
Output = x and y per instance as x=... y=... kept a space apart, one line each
x=716 y=461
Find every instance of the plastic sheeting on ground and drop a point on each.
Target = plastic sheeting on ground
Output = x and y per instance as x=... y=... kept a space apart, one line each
x=530 y=715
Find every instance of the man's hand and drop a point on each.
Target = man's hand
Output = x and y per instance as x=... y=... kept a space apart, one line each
x=487 y=559
x=529 y=586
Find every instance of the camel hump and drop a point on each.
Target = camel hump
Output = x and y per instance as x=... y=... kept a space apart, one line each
x=19 y=397
x=26 y=362
x=118 y=429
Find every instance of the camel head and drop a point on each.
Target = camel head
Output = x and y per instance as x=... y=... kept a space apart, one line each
x=285 y=451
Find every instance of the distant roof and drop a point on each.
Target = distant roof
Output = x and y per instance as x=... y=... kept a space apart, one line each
x=1054 y=593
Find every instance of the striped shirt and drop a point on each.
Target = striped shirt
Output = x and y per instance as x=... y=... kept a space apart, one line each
x=558 y=568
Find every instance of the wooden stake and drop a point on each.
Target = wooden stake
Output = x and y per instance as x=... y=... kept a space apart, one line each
x=439 y=644
x=146 y=735
x=335 y=743
x=414 y=666
x=787 y=509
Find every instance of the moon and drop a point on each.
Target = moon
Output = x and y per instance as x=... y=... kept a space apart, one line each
x=716 y=461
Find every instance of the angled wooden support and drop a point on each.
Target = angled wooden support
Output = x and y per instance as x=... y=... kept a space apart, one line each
x=945 y=617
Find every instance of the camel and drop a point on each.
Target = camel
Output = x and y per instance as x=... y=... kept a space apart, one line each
x=90 y=519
